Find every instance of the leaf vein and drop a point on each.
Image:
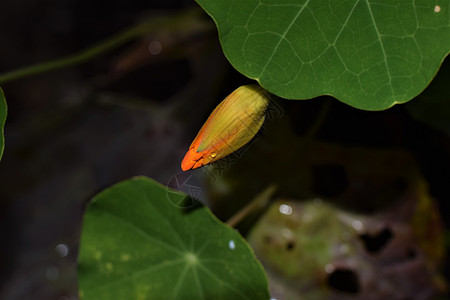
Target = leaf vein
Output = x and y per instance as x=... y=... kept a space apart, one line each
x=143 y=233
x=230 y=287
x=283 y=36
x=380 y=39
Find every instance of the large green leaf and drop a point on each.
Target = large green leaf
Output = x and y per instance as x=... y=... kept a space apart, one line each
x=137 y=244
x=2 y=121
x=369 y=54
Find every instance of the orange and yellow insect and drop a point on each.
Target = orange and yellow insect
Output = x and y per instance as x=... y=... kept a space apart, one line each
x=232 y=124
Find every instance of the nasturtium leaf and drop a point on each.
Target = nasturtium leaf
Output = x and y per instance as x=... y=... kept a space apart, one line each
x=3 y=111
x=369 y=54
x=136 y=243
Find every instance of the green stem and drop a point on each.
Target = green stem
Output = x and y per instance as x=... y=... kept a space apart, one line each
x=258 y=203
x=93 y=51
x=75 y=59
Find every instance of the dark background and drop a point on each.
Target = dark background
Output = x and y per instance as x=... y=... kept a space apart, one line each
x=72 y=132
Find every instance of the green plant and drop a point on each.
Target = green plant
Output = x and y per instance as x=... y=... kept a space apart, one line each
x=370 y=55
x=160 y=250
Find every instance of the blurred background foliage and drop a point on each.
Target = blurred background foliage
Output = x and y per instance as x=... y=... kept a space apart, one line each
x=135 y=110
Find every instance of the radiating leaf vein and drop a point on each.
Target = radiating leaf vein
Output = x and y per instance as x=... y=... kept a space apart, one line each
x=143 y=233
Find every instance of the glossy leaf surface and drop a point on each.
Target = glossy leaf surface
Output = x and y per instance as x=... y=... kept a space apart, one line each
x=368 y=54
x=137 y=243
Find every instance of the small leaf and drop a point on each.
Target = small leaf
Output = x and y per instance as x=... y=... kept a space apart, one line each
x=368 y=54
x=137 y=244
x=3 y=111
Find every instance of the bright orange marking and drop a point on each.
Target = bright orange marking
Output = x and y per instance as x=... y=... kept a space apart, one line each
x=193 y=159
